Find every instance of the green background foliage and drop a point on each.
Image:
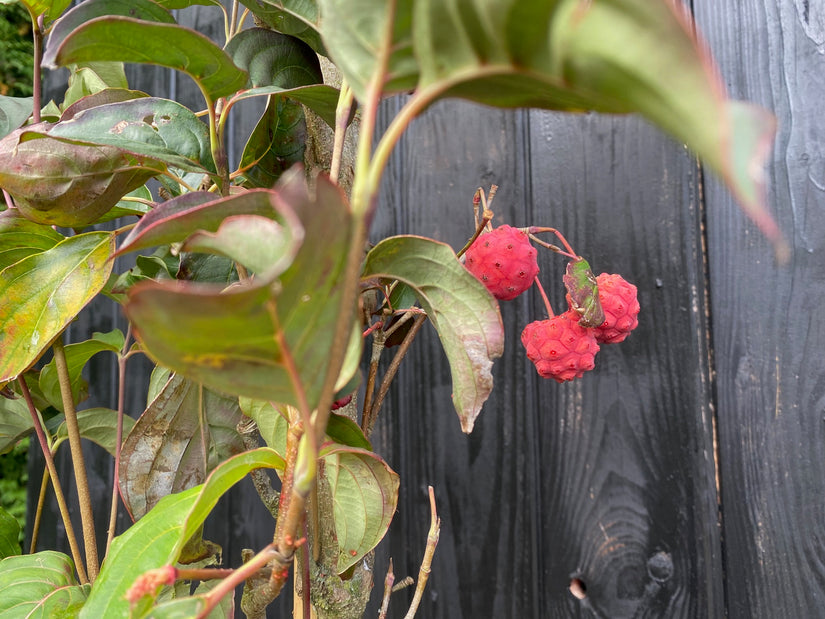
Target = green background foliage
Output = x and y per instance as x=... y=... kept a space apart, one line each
x=16 y=50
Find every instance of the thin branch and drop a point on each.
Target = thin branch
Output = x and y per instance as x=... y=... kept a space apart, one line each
x=388 y=582
x=78 y=462
x=58 y=489
x=37 y=86
x=227 y=585
x=38 y=514
x=392 y=370
x=121 y=408
x=426 y=562
x=543 y=294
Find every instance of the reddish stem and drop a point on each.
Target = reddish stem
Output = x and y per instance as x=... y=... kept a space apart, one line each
x=547 y=305
x=538 y=229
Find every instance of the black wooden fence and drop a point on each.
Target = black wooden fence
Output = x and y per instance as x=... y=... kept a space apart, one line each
x=685 y=476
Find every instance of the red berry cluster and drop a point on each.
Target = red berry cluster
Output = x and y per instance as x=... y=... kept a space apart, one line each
x=561 y=347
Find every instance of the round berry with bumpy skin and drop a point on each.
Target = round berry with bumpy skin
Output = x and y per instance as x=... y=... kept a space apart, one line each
x=560 y=347
x=621 y=308
x=504 y=261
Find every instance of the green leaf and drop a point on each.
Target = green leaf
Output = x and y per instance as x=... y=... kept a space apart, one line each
x=77 y=356
x=62 y=184
x=465 y=315
x=167 y=527
x=610 y=56
x=276 y=144
x=353 y=31
x=125 y=39
x=320 y=98
x=146 y=127
x=90 y=9
x=175 y=220
x=298 y=18
x=614 y=56
x=44 y=292
x=40 y=585
x=236 y=340
x=583 y=292
x=15 y=422
x=261 y=244
x=13 y=112
x=92 y=77
x=274 y=59
x=183 y=435
x=50 y=9
x=9 y=534
x=20 y=238
x=99 y=425
x=345 y=431
x=365 y=495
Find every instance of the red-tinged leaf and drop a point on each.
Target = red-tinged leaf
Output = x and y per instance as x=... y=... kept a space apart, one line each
x=175 y=220
x=237 y=340
x=44 y=292
x=40 y=585
x=62 y=184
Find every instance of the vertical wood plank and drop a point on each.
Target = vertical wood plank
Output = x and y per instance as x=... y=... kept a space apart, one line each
x=486 y=564
x=628 y=498
x=768 y=338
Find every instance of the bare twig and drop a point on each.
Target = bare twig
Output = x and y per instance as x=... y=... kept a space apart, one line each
x=121 y=411
x=392 y=370
x=543 y=294
x=426 y=562
x=385 y=603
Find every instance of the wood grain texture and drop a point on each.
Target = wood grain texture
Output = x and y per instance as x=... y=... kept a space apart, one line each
x=768 y=338
x=607 y=479
x=628 y=499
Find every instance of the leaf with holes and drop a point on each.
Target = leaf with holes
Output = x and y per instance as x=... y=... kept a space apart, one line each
x=44 y=292
x=169 y=525
x=186 y=431
x=464 y=314
x=147 y=127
